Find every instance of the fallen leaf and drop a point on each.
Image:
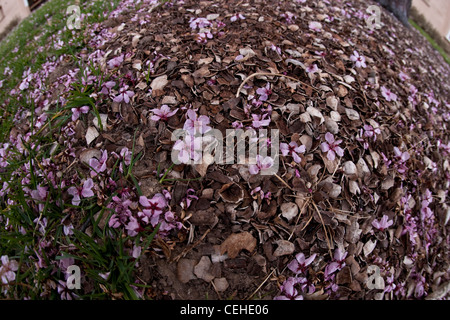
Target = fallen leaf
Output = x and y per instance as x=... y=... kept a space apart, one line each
x=205 y=61
x=231 y=193
x=91 y=134
x=237 y=242
x=169 y=100
x=137 y=64
x=185 y=270
x=334 y=115
x=330 y=165
x=135 y=40
x=284 y=248
x=102 y=219
x=331 y=125
x=305 y=117
x=307 y=141
x=221 y=284
x=344 y=276
x=439 y=292
x=362 y=168
x=289 y=210
x=203 y=166
x=369 y=246
x=295 y=62
x=158 y=85
x=331 y=188
x=352 y=232
x=88 y=154
x=315 y=113
x=349 y=168
x=387 y=183
x=212 y=16
x=352 y=114
x=354 y=187
x=332 y=102
x=141 y=85
x=202 y=72
x=349 y=79
x=342 y=91
x=202 y=269
x=103 y=121
x=247 y=52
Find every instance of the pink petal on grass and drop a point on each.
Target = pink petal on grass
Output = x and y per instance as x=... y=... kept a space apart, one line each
x=87 y=186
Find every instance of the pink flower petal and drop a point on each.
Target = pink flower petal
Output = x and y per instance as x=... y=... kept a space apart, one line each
x=300 y=149
x=284 y=149
x=339 y=151
x=144 y=201
x=329 y=137
x=331 y=155
x=267 y=163
x=296 y=157
x=253 y=169
x=324 y=147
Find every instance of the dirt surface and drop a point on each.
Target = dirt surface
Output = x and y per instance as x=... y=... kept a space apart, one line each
x=236 y=243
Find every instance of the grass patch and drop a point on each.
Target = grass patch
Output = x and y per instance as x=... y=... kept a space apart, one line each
x=33 y=206
x=433 y=43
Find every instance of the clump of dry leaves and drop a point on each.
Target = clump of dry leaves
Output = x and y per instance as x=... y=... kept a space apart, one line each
x=369 y=107
x=363 y=118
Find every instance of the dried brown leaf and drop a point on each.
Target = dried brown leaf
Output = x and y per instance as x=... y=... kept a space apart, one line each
x=284 y=248
x=237 y=242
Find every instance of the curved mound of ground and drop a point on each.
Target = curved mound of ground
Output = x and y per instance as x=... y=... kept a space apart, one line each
x=357 y=207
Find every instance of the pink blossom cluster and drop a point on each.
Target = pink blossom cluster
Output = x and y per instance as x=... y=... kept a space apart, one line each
x=388 y=94
x=292 y=149
x=294 y=287
x=153 y=211
x=191 y=147
x=7 y=272
x=360 y=61
x=418 y=224
x=427 y=219
x=289 y=17
x=262 y=118
x=205 y=28
x=331 y=147
x=262 y=163
x=399 y=162
x=383 y=223
x=368 y=133
x=336 y=264
x=263 y=195
x=187 y=200
x=39 y=175
x=163 y=113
